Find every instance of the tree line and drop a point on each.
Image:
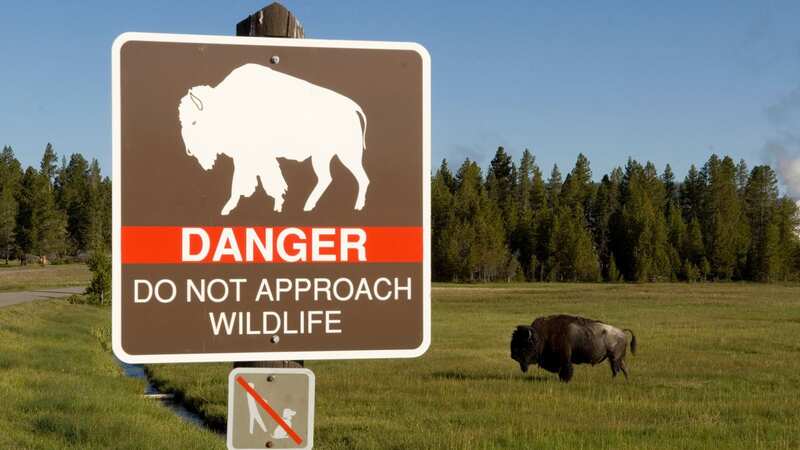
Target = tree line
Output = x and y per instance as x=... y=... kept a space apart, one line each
x=722 y=222
x=60 y=211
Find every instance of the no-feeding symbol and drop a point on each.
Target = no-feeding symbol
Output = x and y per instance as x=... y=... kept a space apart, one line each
x=287 y=398
x=256 y=417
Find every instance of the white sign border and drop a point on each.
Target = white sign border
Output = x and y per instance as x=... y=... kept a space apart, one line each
x=116 y=315
x=309 y=441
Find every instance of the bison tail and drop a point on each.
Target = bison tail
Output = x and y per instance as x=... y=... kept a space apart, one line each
x=363 y=130
x=633 y=340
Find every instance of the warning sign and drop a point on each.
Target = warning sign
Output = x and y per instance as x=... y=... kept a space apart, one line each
x=271 y=199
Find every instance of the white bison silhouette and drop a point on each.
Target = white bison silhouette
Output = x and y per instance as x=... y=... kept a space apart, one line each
x=256 y=115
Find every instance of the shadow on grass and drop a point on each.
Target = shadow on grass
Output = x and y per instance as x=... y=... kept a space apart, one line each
x=466 y=376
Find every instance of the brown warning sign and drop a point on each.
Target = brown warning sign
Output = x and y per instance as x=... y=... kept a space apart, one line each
x=271 y=199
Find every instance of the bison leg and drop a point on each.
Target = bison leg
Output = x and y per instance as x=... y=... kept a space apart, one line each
x=565 y=374
x=229 y=205
x=614 y=369
x=322 y=168
x=623 y=368
x=243 y=184
x=273 y=182
x=353 y=163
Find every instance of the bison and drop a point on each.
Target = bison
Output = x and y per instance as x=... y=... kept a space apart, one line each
x=257 y=115
x=557 y=342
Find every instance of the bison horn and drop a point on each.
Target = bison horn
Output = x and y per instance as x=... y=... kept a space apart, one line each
x=196 y=100
x=530 y=335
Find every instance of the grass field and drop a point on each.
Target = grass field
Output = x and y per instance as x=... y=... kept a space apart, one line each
x=34 y=276
x=60 y=387
x=718 y=367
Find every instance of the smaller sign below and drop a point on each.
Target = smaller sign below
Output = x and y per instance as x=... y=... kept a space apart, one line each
x=270 y=408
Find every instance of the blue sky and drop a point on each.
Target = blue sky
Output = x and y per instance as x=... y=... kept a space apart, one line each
x=664 y=81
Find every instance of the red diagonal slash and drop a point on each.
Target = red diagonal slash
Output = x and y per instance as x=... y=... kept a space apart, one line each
x=295 y=437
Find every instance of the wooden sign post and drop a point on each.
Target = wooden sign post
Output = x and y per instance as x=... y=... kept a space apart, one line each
x=272 y=21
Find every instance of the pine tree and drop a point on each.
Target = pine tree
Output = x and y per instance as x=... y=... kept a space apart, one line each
x=785 y=221
x=99 y=289
x=538 y=191
x=52 y=229
x=540 y=211
x=27 y=223
x=106 y=201
x=743 y=234
x=524 y=186
x=10 y=175
x=641 y=236
x=74 y=196
x=8 y=216
x=605 y=205
x=722 y=215
x=49 y=165
x=467 y=205
x=95 y=207
x=690 y=272
x=545 y=198
x=761 y=194
x=586 y=262
x=447 y=176
x=564 y=246
x=578 y=189
x=575 y=254
x=544 y=244
x=693 y=248
x=443 y=251
x=614 y=275
x=41 y=226
x=691 y=195
x=661 y=249
x=676 y=233
x=742 y=174
x=480 y=235
x=490 y=241
x=670 y=190
x=501 y=186
x=553 y=187
x=521 y=243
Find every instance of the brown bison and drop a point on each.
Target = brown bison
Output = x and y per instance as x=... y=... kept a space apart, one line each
x=557 y=342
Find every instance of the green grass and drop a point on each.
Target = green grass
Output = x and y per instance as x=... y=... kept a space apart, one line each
x=718 y=367
x=34 y=276
x=60 y=387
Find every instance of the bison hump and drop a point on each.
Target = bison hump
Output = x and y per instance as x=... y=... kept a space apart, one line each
x=258 y=78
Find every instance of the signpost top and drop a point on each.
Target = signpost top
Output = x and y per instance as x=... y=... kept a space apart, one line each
x=272 y=21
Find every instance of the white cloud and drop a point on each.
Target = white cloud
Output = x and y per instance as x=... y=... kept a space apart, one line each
x=790 y=174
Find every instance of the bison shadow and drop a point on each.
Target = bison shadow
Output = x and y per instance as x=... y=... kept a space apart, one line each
x=466 y=376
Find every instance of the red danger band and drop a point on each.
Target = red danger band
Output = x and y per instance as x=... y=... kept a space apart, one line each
x=259 y=245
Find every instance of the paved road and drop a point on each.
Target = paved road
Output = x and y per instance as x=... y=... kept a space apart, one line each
x=11 y=298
